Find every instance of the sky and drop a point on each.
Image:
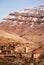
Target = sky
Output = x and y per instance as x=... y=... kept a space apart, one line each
x=8 y=6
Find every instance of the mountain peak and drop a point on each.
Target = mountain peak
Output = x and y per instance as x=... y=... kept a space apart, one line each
x=23 y=20
x=23 y=32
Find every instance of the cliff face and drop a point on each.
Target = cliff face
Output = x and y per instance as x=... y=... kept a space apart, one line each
x=27 y=24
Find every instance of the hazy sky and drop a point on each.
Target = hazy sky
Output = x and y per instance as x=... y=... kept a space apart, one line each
x=8 y=6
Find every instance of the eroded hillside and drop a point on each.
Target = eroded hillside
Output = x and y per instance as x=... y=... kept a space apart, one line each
x=22 y=34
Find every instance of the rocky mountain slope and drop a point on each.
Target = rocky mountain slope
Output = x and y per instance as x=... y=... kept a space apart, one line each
x=24 y=21
x=26 y=28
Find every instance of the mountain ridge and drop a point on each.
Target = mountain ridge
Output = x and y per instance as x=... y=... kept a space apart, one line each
x=26 y=27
